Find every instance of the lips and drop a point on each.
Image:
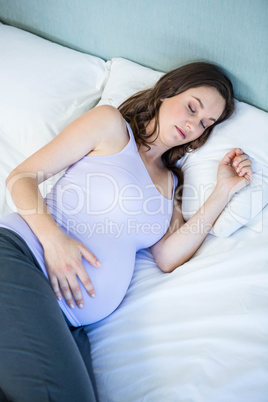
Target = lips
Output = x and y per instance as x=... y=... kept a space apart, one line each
x=182 y=133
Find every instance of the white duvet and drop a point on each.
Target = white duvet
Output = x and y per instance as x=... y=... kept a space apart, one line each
x=197 y=334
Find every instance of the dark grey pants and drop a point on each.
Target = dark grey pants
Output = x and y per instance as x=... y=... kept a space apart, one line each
x=40 y=359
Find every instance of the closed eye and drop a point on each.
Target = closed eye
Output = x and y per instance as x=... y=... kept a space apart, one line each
x=191 y=109
x=202 y=124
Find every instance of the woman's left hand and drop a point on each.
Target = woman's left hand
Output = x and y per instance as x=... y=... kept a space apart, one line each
x=235 y=171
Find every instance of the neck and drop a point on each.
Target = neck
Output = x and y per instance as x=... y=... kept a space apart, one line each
x=153 y=155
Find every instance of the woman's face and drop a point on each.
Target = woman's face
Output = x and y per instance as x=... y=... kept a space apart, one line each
x=184 y=117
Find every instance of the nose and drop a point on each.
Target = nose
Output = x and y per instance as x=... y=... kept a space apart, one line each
x=191 y=124
x=188 y=125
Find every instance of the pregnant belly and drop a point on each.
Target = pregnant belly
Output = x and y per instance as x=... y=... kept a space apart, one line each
x=110 y=281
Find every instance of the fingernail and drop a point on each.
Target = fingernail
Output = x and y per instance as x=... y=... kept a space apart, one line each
x=71 y=305
x=80 y=305
x=98 y=264
x=93 y=295
x=59 y=298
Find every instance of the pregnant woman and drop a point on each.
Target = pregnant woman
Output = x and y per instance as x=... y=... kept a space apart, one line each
x=119 y=194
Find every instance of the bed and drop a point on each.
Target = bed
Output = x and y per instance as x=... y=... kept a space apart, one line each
x=200 y=333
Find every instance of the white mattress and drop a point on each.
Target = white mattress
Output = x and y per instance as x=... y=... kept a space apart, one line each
x=197 y=334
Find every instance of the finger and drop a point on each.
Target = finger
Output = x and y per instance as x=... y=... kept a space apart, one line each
x=246 y=171
x=238 y=151
x=84 y=278
x=248 y=177
x=238 y=159
x=67 y=294
x=227 y=159
x=90 y=257
x=231 y=155
x=82 y=274
x=55 y=286
x=243 y=164
x=76 y=291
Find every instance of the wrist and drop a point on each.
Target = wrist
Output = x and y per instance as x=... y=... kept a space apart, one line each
x=50 y=236
x=224 y=192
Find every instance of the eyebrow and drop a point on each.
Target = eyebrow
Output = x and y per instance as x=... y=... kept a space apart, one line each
x=202 y=107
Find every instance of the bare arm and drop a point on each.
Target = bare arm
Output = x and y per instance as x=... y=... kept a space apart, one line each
x=183 y=239
x=90 y=132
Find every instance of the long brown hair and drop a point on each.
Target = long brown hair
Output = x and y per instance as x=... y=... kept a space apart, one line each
x=141 y=108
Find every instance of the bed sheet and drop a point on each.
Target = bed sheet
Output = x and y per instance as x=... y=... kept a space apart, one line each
x=197 y=334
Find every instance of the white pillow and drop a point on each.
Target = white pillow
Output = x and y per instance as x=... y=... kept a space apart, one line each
x=125 y=79
x=248 y=130
x=44 y=86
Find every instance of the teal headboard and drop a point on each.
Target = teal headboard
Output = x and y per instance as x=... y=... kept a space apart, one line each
x=161 y=34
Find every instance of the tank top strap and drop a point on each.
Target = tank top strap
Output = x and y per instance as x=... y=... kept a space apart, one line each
x=175 y=183
x=131 y=136
x=132 y=141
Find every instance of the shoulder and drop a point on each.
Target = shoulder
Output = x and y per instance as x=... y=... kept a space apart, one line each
x=112 y=117
x=108 y=115
x=106 y=120
x=112 y=130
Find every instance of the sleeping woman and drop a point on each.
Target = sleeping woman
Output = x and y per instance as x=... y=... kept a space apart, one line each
x=119 y=194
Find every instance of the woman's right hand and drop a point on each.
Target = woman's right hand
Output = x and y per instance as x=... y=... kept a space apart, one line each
x=63 y=259
x=234 y=171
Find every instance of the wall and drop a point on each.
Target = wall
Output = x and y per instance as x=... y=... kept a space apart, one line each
x=161 y=34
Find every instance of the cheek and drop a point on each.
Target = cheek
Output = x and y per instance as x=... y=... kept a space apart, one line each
x=184 y=114
x=198 y=134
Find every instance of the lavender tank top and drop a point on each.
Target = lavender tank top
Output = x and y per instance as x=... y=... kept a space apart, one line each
x=110 y=204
